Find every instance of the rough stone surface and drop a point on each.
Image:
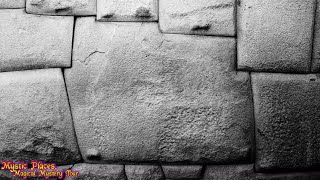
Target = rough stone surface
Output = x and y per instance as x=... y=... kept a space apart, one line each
x=144 y=172
x=316 y=44
x=127 y=10
x=229 y=172
x=246 y=172
x=35 y=119
x=275 y=35
x=204 y=17
x=287 y=121
x=12 y=4
x=62 y=7
x=31 y=41
x=193 y=172
x=98 y=172
x=168 y=97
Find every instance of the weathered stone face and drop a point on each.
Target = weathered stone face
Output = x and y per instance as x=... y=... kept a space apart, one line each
x=275 y=35
x=186 y=172
x=127 y=10
x=62 y=7
x=287 y=121
x=230 y=172
x=205 y=17
x=144 y=172
x=316 y=42
x=139 y=95
x=35 y=119
x=98 y=172
x=12 y=4
x=32 y=42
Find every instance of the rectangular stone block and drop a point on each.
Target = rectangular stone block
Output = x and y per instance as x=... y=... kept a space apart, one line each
x=35 y=118
x=287 y=121
x=176 y=172
x=12 y=4
x=33 y=42
x=127 y=10
x=275 y=35
x=140 y=95
x=144 y=172
x=316 y=42
x=203 y=17
x=98 y=171
x=62 y=7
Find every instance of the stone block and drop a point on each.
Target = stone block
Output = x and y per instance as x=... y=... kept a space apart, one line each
x=62 y=7
x=127 y=10
x=203 y=17
x=12 y=4
x=33 y=42
x=287 y=121
x=229 y=172
x=35 y=118
x=144 y=172
x=275 y=35
x=185 y=172
x=97 y=172
x=316 y=42
x=139 y=95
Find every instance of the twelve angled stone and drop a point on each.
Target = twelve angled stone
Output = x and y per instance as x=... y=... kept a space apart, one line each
x=12 y=4
x=275 y=35
x=139 y=95
x=205 y=17
x=35 y=119
x=31 y=41
x=127 y=10
x=287 y=121
x=62 y=7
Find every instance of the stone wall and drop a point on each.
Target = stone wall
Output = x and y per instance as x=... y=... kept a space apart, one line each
x=162 y=89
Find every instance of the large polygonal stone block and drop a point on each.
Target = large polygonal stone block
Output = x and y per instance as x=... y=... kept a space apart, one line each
x=62 y=7
x=32 y=42
x=35 y=118
x=139 y=95
x=275 y=35
x=287 y=121
x=12 y=4
x=127 y=10
x=204 y=17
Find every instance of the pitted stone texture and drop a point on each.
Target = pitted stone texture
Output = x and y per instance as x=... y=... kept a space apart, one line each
x=35 y=118
x=98 y=172
x=12 y=4
x=144 y=172
x=316 y=44
x=127 y=10
x=204 y=17
x=62 y=7
x=32 y=42
x=229 y=172
x=147 y=96
x=275 y=35
x=246 y=172
x=176 y=172
x=287 y=121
